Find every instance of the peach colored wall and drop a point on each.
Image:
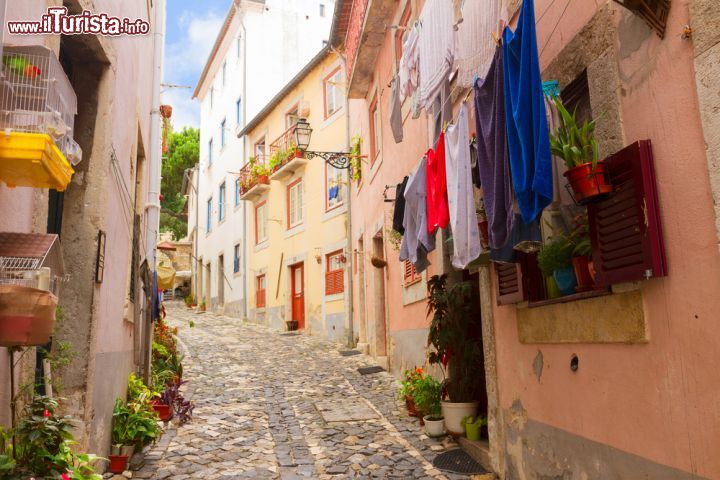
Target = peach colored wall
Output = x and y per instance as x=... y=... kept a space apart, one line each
x=656 y=400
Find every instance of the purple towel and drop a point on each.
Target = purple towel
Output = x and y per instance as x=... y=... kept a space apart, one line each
x=492 y=162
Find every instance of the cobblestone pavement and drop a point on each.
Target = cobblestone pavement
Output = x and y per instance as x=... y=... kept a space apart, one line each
x=265 y=405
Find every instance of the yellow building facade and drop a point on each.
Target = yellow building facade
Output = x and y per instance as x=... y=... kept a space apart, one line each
x=296 y=256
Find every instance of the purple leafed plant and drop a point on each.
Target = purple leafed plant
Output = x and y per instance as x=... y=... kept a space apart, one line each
x=173 y=397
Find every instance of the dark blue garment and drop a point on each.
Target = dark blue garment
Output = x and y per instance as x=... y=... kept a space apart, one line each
x=527 y=129
x=155 y=298
x=524 y=236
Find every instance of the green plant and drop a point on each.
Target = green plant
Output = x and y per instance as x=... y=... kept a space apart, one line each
x=428 y=393
x=575 y=144
x=7 y=462
x=259 y=170
x=555 y=255
x=189 y=299
x=407 y=384
x=141 y=427
x=394 y=238
x=454 y=333
x=119 y=423
x=356 y=158
x=191 y=323
x=583 y=248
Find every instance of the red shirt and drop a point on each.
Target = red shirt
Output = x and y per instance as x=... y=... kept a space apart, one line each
x=437 y=199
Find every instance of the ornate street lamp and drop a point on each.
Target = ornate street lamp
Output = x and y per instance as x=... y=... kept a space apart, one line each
x=340 y=160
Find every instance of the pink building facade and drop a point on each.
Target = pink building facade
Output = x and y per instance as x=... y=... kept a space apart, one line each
x=618 y=386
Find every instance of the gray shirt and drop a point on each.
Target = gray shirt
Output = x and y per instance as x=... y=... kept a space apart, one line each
x=417 y=241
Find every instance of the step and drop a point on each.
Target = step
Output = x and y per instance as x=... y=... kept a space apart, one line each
x=479 y=450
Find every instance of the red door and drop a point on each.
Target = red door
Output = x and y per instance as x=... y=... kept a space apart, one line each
x=298 y=294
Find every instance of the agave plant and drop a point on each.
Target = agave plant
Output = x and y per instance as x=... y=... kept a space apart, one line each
x=576 y=145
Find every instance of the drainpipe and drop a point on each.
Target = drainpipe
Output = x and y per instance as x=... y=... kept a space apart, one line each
x=2 y=24
x=153 y=197
x=348 y=214
x=246 y=301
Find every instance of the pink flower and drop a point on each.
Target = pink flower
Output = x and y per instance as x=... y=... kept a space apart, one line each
x=46 y=414
x=64 y=476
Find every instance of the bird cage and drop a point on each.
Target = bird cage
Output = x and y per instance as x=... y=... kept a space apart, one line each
x=37 y=97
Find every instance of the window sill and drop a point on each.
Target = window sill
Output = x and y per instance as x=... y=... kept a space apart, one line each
x=262 y=245
x=329 y=120
x=334 y=297
x=295 y=230
x=334 y=212
x=570 y=298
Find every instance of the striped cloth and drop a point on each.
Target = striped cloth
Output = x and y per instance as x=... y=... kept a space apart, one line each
x=436 y=49
x=476 y=46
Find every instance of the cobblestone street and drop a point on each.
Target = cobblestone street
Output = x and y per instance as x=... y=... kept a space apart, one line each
x=278 y=406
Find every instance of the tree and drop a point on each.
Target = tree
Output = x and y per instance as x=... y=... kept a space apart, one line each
x=183 y=153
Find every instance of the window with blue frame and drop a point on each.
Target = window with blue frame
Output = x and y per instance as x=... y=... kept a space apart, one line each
x=236 y=259
x=209 y=215
x=222 y=134
x=210 y=152
x=221 y=203
x=237 y=192
x=238 y=111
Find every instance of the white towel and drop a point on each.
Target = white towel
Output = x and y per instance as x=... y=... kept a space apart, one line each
x=476 y=46
x=461 y=202
x=436 y=48
x=407 y=72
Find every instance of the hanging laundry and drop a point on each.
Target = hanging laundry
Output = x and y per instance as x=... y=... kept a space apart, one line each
x=399 y=212
x=493 y=168
x=476 y=47
x=437 y=200
x=436 y=46
x=525 y=237
x=408 y=68
x=333 y=192
x=417 y=241
x=474 y=162
x=441 y=110
x=461 y=202
x=396 y=121
x=527 y=131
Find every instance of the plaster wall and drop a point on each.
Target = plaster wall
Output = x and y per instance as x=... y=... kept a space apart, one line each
x=649 y=400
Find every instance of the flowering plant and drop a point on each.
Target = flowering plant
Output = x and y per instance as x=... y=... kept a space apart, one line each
x=410 y=379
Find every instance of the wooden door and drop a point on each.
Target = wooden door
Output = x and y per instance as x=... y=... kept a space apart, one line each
x=298 y=294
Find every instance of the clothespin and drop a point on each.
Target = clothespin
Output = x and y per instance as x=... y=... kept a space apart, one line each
x=475 y=79
x=496 y=38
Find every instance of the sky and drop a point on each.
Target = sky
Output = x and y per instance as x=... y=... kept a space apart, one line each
x=192 y=27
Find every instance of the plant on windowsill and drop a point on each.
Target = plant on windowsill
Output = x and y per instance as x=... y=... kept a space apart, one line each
x=355 y=158
x=582 y=254
x=555 y=262
x=483 y=225
x=259 y=173
x=578 y=148
x=454 y=335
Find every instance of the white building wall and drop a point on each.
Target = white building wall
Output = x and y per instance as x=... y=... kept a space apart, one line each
x=282 y=36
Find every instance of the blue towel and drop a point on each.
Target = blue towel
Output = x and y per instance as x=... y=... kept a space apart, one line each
x=527 y=130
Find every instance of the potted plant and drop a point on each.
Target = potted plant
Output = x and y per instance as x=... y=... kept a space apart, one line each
x=292 y=325
x=203 y=307
x=555 y=261
x=483 y=225
x=121 y=451
x=454 y=335
x=407 y=391
x=577 y=146
x=259 y=173
x=427 y=398
x=473 y=427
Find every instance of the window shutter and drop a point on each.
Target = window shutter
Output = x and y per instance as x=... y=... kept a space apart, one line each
x=625 y=228
x=509 y=283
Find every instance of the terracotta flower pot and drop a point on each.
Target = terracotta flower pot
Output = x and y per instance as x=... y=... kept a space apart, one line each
x=585 y=281
x=163 y=411
x=262 y=179
x=292 y=325
x=586 y=184
x=118 y=463
x=411 y=407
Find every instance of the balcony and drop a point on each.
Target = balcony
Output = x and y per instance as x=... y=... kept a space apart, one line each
x=254 y=179
x=285 y=158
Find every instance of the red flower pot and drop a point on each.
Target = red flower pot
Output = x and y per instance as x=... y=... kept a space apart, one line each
x=298 y=153
x=118 y=463
x=585 y=281
x=586 y=184
x=163 y=411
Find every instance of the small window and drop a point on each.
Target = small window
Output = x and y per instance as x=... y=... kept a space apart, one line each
x=322 y=9
x=335 y=187
x=295 y=203
x=236 y=258
x=410 y=275
x=210 y=152
x=208 y=227
x=332 y=95
x=239 y=47
x=291 y=117
x=238 y=111
x=212 y=97
x=222 y=133
x=221 y=203
x=259 y=149
x=374 y=130
x=260 y=291
x=224 y=73
x=261 y=222
x=237 y=192
x=334 y=282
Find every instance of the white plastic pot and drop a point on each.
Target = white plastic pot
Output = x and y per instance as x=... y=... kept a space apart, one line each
x=433 y=426
x=454 y=413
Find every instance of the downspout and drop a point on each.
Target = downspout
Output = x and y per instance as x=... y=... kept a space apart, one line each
x=246 y=300
x=348 y=213
x=2 y=24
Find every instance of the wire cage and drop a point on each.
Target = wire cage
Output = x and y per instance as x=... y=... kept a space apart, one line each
x=31 y=260
x=36 y=97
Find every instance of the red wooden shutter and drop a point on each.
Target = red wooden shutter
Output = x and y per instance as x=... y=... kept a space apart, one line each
x=625 y=228
x=410 y=274
x=509 y=283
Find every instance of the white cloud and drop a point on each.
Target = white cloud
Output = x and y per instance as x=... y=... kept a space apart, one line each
x=185 y=58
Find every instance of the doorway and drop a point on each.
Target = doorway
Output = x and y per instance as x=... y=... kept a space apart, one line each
x=221 y=280
x=378 y=341
x=206 y=294
x=362 y=320
x=297 y=294
x=477 y=334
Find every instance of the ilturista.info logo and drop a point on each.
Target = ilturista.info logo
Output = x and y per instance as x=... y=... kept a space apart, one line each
x=57 y=21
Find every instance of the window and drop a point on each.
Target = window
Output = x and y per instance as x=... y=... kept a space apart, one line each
x=208 y=227
x=236 y=258
x=322 y=9
x=331 y=92
x=374 y=130
x=260 y=291
x=334 y=282
x=401 y=33
x=210 y=152
x=261 y=222
x=224 y=73
x=239 y=47
x=410 y=275
x=238 y=111
x=212 y=97
x=291 y=117
x=259 y=149
x=294 y=203
x=222 y=134
x=237 y=192
x=334 y=187
x=221 y=203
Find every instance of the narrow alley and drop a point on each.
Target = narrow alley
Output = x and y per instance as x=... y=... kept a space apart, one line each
x=272 y=405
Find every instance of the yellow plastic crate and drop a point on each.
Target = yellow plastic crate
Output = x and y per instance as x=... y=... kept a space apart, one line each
x=33 y=160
